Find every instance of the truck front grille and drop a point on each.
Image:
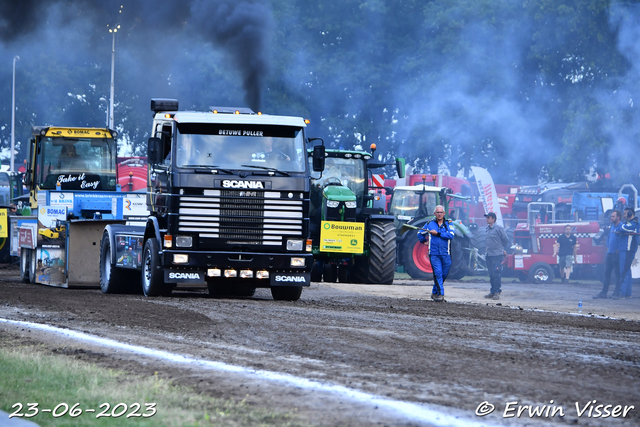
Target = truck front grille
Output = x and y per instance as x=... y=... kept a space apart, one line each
x=246 y=217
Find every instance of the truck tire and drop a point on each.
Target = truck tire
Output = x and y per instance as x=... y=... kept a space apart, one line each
x=286 y=293
x=415 y=258
x=330 y=274
x=316 y=272
x=114 y=280
x=25 y=259
x=152 y=276
x=33 y=265
x=540 y=273
x=380 y=267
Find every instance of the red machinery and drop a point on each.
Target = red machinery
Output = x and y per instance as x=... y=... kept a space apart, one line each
x=132 y=173
x=533 y=259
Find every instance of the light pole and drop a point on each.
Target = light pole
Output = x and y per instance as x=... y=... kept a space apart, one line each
x=13 y=113
x=113 y=31
x=103 y=99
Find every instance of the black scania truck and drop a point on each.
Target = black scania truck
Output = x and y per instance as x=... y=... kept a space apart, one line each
x=228 y=201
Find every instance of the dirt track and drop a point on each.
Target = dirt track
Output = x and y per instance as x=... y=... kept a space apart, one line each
x=389 y=341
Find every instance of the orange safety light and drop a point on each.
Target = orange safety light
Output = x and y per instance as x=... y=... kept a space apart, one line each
x=373 y=146
x=215 y=111
x=259 y=113
x=307 y=121
x=434 y=177
x=237 y=112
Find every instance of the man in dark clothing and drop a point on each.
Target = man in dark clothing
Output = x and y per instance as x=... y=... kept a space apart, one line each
x=627 y=247
x=612 y=259
x=496 y=241
x=566 y=250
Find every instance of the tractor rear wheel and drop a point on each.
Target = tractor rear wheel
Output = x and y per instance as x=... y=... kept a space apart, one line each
x=415 y=258
x=459 y=267
x=380 y=267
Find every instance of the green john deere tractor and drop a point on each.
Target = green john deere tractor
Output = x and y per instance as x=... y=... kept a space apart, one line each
x=412 y=207
x=354 y=240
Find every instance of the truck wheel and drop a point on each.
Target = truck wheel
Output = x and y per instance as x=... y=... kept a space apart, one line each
x=25 y=260
x=540 y=272
x=316 y=272
x=152 y=275
x=415 y=258
x=380 y=267
x=33 y=265
x=111 y=281
x=343 y=274
x=330 y=273
x=286 y=293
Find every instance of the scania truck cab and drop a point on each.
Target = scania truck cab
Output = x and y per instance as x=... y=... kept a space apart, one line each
x=228 y=196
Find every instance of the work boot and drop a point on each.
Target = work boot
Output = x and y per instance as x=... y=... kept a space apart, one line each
x=439 y=298
x=496 y=296
x=563 y=280
x=616 y=296
x=489 y=295
x=601 y=295
x=434 y=296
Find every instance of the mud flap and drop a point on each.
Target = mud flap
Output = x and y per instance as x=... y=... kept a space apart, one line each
x=290 y=279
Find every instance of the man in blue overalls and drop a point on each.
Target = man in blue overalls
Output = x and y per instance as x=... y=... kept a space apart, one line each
x=440 y=233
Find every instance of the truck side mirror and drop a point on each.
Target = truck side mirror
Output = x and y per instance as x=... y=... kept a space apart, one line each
x=318 y=158
x=154 y=151
x=400 y=166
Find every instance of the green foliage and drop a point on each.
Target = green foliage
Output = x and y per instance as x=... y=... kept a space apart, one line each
x=523 y=89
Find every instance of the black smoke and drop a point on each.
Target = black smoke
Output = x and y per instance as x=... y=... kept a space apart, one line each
x=153 y=35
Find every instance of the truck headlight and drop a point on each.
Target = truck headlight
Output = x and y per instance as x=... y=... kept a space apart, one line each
x=332 y=204
x=180 y=258
x=294 y=244
x=350 y=205
x=297 y=262
x=184 y=241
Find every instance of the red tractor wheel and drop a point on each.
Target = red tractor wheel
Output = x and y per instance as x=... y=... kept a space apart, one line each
x=416 y=258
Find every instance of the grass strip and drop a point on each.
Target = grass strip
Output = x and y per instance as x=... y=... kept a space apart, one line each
x=30 y=374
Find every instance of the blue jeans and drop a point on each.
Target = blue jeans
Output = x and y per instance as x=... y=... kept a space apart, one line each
x=441 y=265
x=494 y=266
x=626 y=259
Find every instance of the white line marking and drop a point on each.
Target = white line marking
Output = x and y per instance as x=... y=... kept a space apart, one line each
x=409 y=410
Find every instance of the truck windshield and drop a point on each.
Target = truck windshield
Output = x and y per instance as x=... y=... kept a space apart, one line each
x=77 y=163
x=231 y=146
x=405 y=203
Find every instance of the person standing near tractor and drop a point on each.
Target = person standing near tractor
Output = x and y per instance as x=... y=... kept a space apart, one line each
x=627 y=247
x=496 y=241
x=565 y=248
x=440 y=232
x=612 y=259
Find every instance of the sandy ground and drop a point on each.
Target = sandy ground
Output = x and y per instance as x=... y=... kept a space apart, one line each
x=557 y=296
x=393 y=342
